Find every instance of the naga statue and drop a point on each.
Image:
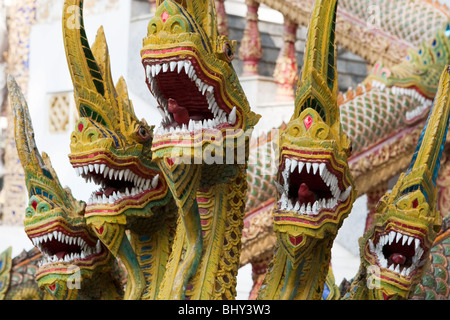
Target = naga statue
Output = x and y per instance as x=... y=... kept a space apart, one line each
x=74 y=263
x=171 y=200
x=396 y=250
x=112 y=148
x=201 y=145
x=316 y=190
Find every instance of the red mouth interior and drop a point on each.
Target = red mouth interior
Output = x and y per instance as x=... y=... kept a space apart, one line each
x=399 y=254
x=185 y=98
x=307 y=187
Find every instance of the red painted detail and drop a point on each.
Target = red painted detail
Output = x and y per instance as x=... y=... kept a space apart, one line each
x=80 y=127
x=99 y=231
x=415 y=203
x=34 y=205
x=52 y=287
x=308 y=121
x=164 y=16
x=295 y=240
x=386 y=297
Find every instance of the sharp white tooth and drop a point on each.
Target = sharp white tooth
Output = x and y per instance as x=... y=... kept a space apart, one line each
x=121 y=173
x=419 y=253
x=157 y=69
x=321 y=168
x=297 y=206
x=290 y=205
x=315 y=167
x=410 y=239
x=408 y=271
x=105 y=173
x=85 y=169
x=111 y=173
x=127 y=192
x=191 y=125
x=45 y=238
x=308 y=166
x=391 y=267
x=55 y=235
x=371 y=246
x=126 y=174
x=300 y=166
x=153 y=71
x=102 y=168
x=314 y=208
x=91 y=168
x=50 y=236
x=404 y=239
x=399 y=235
x=34 y=241
x=303 y=209
x=391 y=236
x=187 y=64
x=308 y=208
x=105 y=199
x=416 y=243
x=232 y=117
x=180 y=65
x=287 y=165
x=403 y=273
x=148 y=70
x=116 y=174
x=96 y=167
x=293 y=164
x=344 y=195
x=147 y=184
x=98 y=246
x=173 y=65
x=204 y=87
x=397 y=268
x=283 y=201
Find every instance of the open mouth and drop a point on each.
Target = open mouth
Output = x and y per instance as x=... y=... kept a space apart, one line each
x=398 y=252
x=310 y=187
x=62 y=246
x=115 y=184
x=423 y=104
x=187 y=97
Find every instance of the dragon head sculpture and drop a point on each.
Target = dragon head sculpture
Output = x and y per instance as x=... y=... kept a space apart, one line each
x=316 y=190
x=417 y=76
x=109 y=145
x=407 y=220
x=54 y=219
x=189 y=71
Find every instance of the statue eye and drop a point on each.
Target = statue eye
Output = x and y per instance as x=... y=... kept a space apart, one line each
x=143 y=133
x=228 y=51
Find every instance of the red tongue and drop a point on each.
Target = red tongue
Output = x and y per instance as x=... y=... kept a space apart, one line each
x=180 y=114
x=397 y=258
x=305 y=195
